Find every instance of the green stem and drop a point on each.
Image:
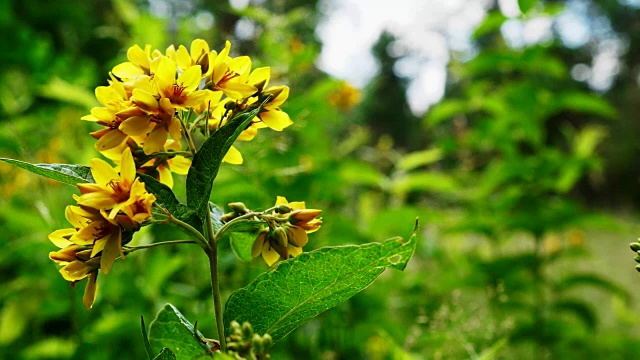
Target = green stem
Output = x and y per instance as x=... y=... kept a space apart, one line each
x=187 y=134
x=215 y=281
x=171 y=219
x=130 y=249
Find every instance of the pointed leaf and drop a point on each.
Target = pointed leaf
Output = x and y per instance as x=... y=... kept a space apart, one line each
x=64 y=173
x=206 y=163
x=147 y=344
x=167 y=199
x=299 y=289
x=171 y=330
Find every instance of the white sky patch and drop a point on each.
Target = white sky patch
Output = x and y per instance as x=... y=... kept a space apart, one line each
x=426 y=30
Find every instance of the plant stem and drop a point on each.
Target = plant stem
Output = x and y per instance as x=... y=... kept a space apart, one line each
x=215 y=281
x=130 y=249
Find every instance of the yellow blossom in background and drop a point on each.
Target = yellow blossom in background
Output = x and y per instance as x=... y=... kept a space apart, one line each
x=346 y=97
x=288 y=240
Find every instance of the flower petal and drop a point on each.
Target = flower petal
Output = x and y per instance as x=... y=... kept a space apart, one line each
x=269 y=254
x=275 y=119
x=102 y=172
x=91 y=290
x=233 y=156
x=136 y=126
x=111 y=139
x=111 y=251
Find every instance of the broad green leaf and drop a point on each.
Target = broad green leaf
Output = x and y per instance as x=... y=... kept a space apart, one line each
x=296 y=290
x=171 y=330
x=64 y=173
x=167 y=199
x=165 y=354
x=206 y=163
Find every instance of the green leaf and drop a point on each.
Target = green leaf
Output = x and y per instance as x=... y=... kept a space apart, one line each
x=165 y=354
x=167 y=199
x=526 y=5
x=582 y=103
x=241 y=235
x=171 y=330
x=64 y=173
x=296 y=290
x=206 y=163
x=147 y=344
x=420 y=158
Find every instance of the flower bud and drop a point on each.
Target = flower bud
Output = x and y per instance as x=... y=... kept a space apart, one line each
x=280 y=236
x=637 y=258
x=283 y=209
x=238 y=208
x=635 y=246
x=267 y=341
x=256 y=344
x=228 y=217
x=304 y=215
x=247 y=330
x=230 y=105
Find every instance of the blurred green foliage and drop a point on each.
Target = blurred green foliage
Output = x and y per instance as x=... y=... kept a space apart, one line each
x=511 y=263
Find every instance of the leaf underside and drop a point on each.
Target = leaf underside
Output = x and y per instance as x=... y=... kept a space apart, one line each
x=172 y=330
x=64 y=173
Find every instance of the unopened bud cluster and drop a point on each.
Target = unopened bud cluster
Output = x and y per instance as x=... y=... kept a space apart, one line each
x=287 y=232
x=244 y=344
x=636 y=248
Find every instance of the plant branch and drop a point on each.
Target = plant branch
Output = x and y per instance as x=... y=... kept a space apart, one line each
x=215 y=281
x=130 y=249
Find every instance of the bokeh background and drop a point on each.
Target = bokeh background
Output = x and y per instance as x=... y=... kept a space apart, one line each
x=509 y=127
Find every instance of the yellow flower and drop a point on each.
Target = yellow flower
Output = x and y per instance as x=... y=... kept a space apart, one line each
x=162 y=167
x=271 y=115
x=115 y=193
x=93 y=243
x=198 y=55
x=139 y=64
x=75 y=266
x=230 y=75
x=345 y=98
x=289 y=239
x=116 y=109
x=157 y=119
x=181 y=91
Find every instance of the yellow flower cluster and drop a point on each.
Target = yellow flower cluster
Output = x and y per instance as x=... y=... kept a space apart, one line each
x=107 y=214
x=155 y=99
x=286 y=240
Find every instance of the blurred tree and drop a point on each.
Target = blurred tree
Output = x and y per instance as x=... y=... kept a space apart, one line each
x=384 y=106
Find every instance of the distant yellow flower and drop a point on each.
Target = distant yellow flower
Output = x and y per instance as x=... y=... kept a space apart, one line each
x=346 y=97
x=288 y=240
